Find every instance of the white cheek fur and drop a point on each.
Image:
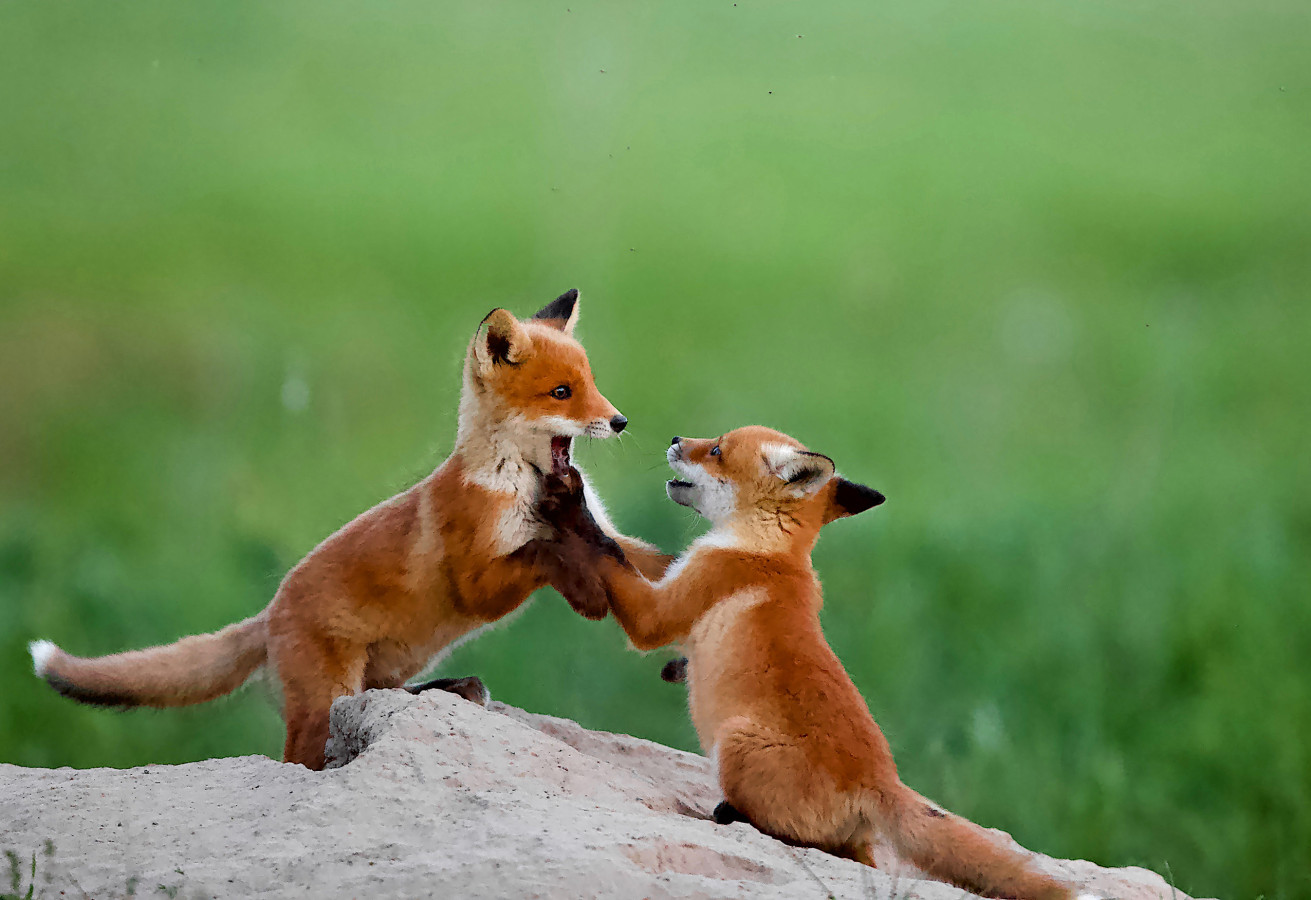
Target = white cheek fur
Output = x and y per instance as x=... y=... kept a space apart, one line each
x=593 y=428
x=713 y=498
x=560 y=425
x=716 y=500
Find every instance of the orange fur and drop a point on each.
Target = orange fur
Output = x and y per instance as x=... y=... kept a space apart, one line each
x=375 y=602
x=797 y=751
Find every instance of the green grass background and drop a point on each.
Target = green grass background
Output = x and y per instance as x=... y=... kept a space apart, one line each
x=1037 y=270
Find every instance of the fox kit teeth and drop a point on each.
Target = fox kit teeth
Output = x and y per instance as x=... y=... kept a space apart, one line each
x=374 y=602
x=797 y=753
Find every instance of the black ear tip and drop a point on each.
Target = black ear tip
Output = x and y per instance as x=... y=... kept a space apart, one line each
x=856 y=498
x=863 y=498
x=561 y=307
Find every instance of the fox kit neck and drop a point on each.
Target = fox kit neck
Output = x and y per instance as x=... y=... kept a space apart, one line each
x=772 y=532
x=498 y=449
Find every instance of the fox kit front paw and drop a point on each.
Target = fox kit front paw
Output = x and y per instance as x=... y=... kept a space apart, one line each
x=563 y=505
x=569 y=559
x=560 y=564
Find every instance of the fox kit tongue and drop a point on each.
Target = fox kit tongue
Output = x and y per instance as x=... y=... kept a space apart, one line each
x=560 y=454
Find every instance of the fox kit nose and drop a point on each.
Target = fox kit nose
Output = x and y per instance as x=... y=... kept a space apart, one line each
x=675 y=440
x=618 y=423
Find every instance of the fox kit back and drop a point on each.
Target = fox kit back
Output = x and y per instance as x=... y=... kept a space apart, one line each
x=797 y=752
x=380 y=599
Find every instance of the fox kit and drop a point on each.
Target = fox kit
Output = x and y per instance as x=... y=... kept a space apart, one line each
x=373 y=604
x=797 y=752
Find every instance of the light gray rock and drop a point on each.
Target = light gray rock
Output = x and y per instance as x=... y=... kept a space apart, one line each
x=433 y=796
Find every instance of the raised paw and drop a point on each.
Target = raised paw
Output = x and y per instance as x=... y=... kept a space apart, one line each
x=563 y=505
x=561 y=497
x=566 y=564
x=675 y=671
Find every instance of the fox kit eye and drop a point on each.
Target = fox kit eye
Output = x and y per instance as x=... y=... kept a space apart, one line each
x=562 y=392
x=714 y=451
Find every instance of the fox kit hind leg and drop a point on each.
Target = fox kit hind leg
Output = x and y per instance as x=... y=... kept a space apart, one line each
x=768 y=781
x=315 y=671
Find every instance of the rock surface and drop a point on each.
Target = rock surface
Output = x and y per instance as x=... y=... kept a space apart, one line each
x=433 y=796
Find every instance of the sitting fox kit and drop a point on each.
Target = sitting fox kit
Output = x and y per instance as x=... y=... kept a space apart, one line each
x=797 y=752
x=373 y=604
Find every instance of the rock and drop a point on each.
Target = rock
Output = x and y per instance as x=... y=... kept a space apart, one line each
x=433 y=796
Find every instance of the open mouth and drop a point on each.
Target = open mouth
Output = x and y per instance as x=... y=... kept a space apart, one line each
x=681 y=492
x=560 y=454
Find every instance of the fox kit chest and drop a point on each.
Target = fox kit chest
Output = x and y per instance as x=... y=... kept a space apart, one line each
x=517 y=524
x=508 y=508
x=717 y=676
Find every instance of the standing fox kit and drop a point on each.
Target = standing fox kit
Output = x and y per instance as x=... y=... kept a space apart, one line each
x=373 y=604
x=797 y=752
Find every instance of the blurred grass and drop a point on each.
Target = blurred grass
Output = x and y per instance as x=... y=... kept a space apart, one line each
x=1036 y=270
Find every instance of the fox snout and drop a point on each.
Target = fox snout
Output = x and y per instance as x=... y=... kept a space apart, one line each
x=679 y=454
x=693 y=451
x=604 y=427
x=681 y=448
x=603 y=419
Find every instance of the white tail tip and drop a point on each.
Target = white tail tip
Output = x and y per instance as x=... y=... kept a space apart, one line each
x=41 y=652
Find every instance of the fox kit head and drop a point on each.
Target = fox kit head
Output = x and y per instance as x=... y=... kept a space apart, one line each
x=755 y=479
x=528 y=383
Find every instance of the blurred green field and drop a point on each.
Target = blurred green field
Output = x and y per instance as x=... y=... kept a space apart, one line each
x=1036 y=270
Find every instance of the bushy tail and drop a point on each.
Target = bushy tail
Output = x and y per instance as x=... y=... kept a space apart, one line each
x=954 y=849
x=192 y=670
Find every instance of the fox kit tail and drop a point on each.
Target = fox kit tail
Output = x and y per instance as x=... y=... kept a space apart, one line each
x=192 y=670
x=954 y=849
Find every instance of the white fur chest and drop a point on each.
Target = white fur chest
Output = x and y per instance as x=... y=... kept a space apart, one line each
x=518 y=524
x=515 y=480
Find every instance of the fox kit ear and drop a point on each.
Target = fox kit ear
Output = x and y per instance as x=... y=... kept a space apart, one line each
x=850 y=498
x=562 y=312
x=801 y=469
x=501 y=339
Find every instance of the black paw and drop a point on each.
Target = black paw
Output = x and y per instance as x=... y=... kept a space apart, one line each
x=560 y=501
x=608 y=545
x=471 y=688
x=585 y=595
x=675 y=671
x=562 y=505
x=726 y=814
